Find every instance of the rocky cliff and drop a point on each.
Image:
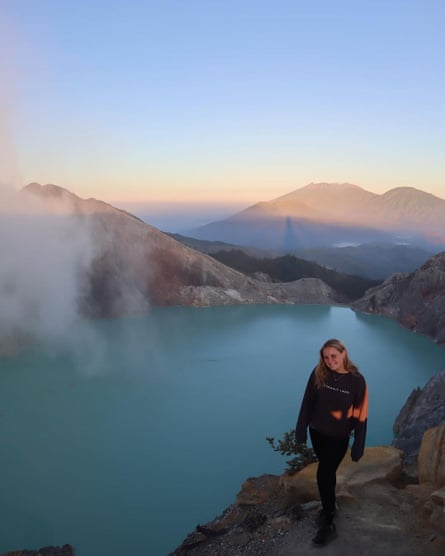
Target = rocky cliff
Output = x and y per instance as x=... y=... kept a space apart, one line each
x=381 y=511
x=424 y=409
x=416 y=299
x=391 y=502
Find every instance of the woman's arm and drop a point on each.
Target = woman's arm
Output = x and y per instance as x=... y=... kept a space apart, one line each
x=305 y=414
x=360 y=421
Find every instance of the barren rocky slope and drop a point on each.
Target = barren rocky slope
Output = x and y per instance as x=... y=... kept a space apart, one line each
x=136 y=265
x=424 y=409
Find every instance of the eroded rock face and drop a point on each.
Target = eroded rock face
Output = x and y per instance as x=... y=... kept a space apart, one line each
x=247 y=290
x=424 y=409
x=416 y=300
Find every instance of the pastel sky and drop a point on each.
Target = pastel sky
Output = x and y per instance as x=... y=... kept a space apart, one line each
x=221 y=100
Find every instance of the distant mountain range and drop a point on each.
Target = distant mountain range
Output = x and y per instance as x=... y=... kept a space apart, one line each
x=335 y=215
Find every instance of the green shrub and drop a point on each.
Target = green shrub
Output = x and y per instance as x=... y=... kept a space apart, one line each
x=288 y=446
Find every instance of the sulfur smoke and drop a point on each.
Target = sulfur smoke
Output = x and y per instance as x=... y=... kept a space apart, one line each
x=44 y=262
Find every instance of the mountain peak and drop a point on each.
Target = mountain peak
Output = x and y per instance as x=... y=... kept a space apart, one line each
x=332 y=186
x=411 y=193
x=315 y=193
x=49 y=190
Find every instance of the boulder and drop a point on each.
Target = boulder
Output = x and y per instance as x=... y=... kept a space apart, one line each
x=380 y=463
x=429 y=493
x=257 y=490
x=431 y=461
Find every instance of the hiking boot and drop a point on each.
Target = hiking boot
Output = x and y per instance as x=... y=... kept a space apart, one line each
x=324 y=518
x=325 y=534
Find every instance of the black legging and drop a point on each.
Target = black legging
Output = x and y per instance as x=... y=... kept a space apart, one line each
x=330 y=451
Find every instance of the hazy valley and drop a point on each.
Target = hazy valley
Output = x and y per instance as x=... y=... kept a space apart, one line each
x=371 y=261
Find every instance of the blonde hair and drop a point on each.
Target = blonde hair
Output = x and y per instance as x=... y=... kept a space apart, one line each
x=321 y=370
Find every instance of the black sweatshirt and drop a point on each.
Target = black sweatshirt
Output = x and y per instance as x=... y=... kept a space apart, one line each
x=336 y=409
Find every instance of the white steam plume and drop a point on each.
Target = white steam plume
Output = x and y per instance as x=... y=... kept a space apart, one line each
x=44 y=260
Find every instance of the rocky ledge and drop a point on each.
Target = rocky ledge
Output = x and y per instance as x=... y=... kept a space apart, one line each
x=391 y=502
x=382 y=510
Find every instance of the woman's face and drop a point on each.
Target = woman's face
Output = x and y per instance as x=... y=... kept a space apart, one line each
x=334 y=358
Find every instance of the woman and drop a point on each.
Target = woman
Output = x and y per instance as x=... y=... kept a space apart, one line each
x=335 y=404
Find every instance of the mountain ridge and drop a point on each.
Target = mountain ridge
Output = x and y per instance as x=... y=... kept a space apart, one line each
x=322 y=214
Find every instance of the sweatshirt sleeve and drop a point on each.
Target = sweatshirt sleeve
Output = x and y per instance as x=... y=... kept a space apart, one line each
x=360 y=421
x=305 y=414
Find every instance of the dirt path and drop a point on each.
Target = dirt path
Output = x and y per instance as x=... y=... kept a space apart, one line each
x=378 y=521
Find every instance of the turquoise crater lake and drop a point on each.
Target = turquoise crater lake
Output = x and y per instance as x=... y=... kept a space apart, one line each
x=141 y=428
